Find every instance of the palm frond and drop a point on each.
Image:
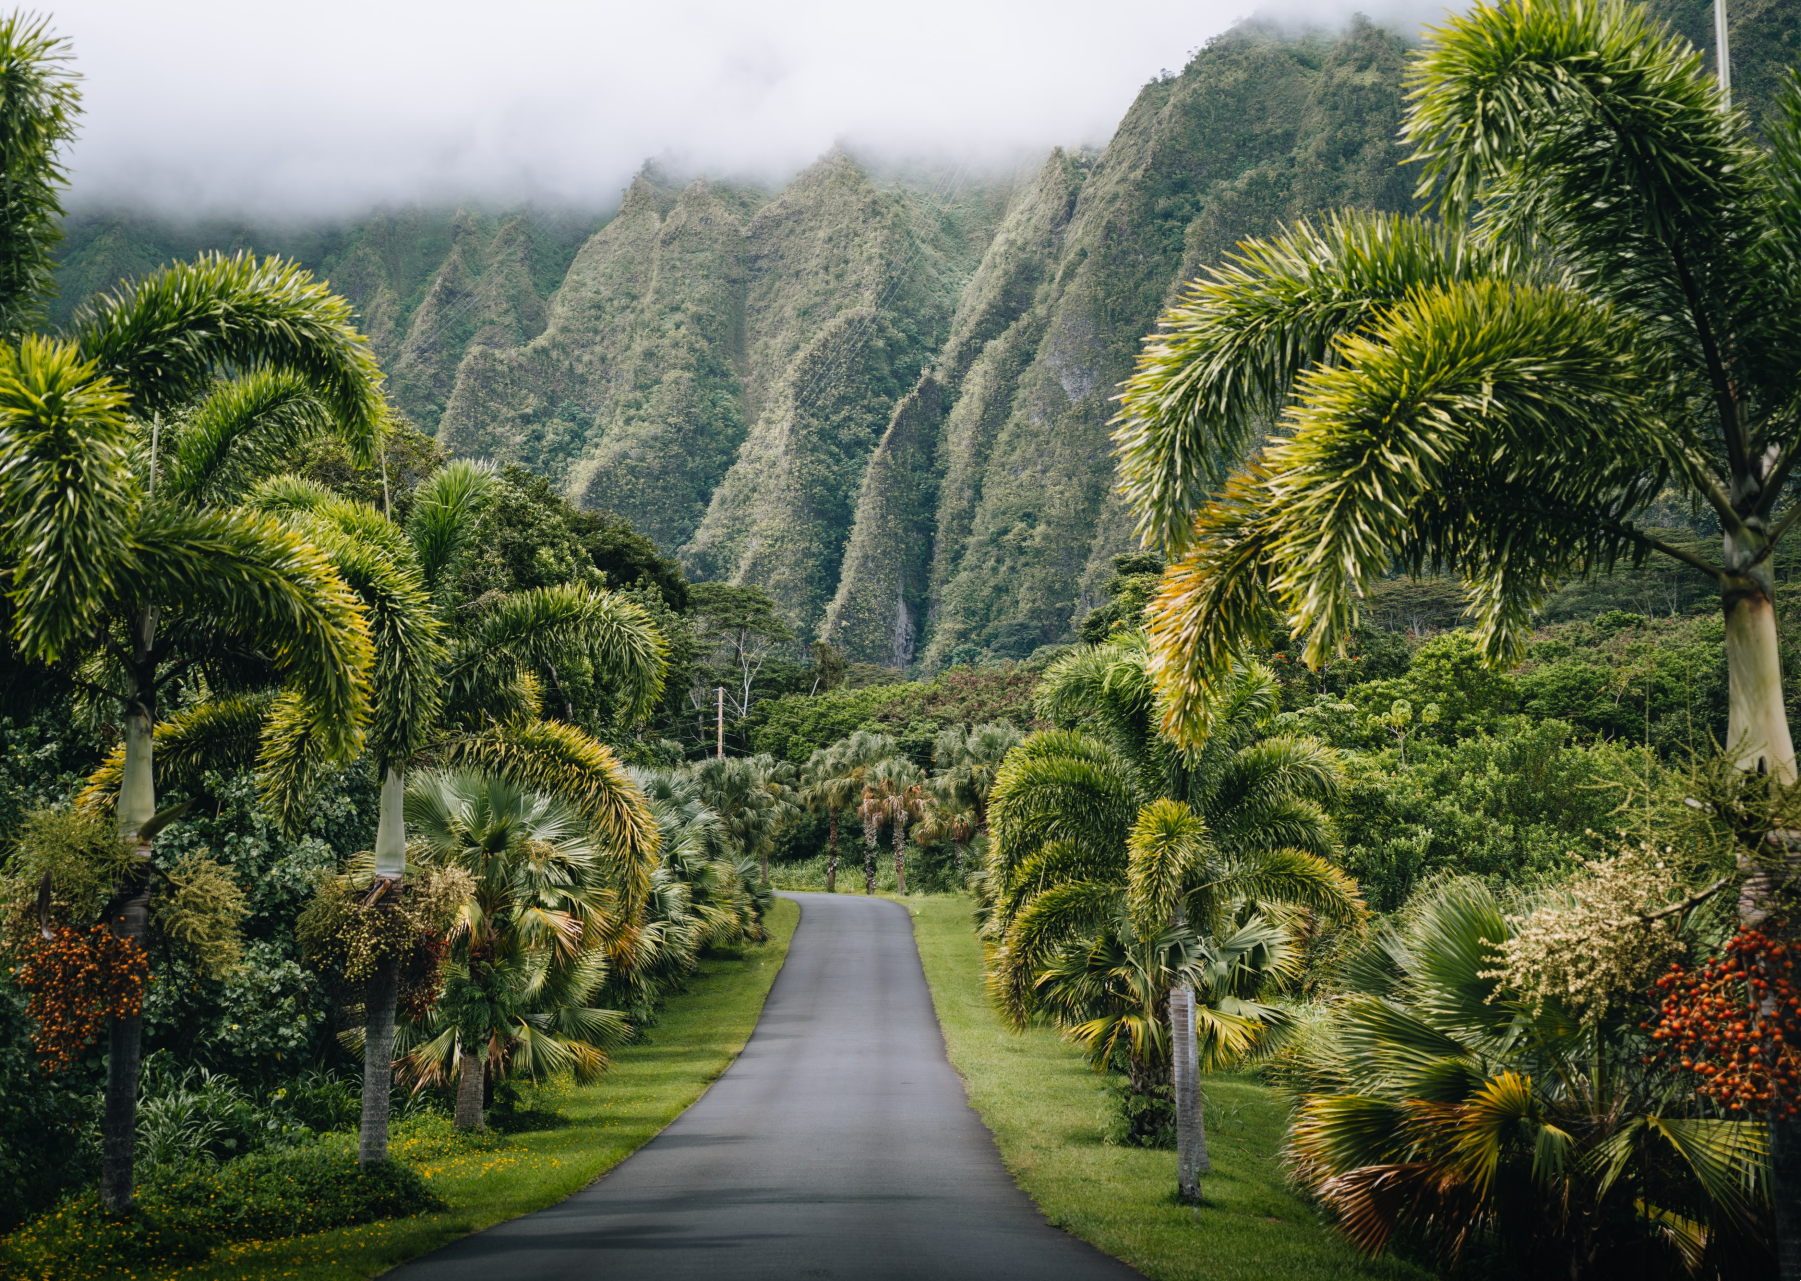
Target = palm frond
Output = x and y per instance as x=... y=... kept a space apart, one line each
x=444 y=508
x=279 y=592
x=566 y=763
x=553 y=626
x=164 y=337
x=67 y=497
x=1222 y=363
x=1168 y=842
x=241 y=431
x=219 y=734
x=39 y=103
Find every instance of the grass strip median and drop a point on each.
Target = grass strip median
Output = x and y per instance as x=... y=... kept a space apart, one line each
x=1046 y=1110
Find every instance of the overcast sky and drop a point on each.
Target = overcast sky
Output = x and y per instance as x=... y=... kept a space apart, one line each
x=334 y=105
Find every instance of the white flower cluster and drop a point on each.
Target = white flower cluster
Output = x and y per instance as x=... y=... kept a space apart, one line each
x=1591 y=948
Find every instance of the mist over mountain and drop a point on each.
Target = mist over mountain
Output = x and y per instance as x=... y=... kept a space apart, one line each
x=880 y=390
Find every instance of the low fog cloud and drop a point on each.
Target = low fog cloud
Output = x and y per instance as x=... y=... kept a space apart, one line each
x=333 y=105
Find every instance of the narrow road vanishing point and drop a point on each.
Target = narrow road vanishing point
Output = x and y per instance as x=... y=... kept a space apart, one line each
x=839 y=1144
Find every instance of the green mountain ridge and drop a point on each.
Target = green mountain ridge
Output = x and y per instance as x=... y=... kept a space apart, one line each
x=882 y=395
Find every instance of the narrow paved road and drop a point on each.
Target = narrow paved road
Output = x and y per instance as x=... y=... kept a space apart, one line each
x=840 y=1144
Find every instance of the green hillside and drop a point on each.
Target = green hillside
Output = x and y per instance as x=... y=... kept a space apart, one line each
x=882 y=395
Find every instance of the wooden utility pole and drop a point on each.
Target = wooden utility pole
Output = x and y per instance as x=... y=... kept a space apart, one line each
x=719 y=723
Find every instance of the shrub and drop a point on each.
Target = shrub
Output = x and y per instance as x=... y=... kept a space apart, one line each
x=183 y=1217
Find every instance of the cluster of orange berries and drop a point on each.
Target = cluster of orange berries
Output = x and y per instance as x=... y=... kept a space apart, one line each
x=1736 y=1023
x=422 y=977
x=77 y=981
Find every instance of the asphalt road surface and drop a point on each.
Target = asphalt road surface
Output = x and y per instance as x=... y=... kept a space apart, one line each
x=840 y=1144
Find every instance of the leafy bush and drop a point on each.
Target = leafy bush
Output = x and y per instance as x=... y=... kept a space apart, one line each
x=183 y=1217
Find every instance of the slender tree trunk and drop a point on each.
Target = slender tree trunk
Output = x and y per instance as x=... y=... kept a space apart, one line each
x=870 y=824
x=958 y=846
x=1757 y=730
x=125 y=1036
x=763 y=858
x=124 y=1042
x=900 y=852
x=378 y=1061
x=1185 y=1078
x=384 y=985
x=831 y=862
x=469 y=1091
x=1758 y=739
x=390 y=832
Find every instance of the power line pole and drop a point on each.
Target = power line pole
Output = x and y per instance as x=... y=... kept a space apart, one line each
x=719 y=723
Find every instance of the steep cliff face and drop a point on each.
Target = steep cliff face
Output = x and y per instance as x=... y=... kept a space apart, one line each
x=1258 y=129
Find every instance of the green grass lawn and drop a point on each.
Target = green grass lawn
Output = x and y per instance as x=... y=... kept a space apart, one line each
x=1046 y=1110
x=698 y=1035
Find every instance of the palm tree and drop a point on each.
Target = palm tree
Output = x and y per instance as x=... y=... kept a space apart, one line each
x=893 y=795
x=950 y=814
x=832 y=780
x=1113 y=817
x=971 y=756
x=474 y=697
x=1439 y=1101
x=1112 y=992
x=1608 y=310
x=753 y=796
x=528 y=950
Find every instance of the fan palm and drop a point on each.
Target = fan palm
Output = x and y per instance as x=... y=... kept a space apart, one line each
x=754 y=797
x=971 y=757
x=528 y=949
x=1441 y=1103
x=893 y=795
x=832 y=780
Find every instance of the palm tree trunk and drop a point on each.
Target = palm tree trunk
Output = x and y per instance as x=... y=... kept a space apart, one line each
x=831 y=862
x=1191 y=1132
x=125 y=1036
x=390 y=832
x=378 y=1061
x=958 y=846
x=1757 y=731
x=124 y=1044
x=870 y=825
x=384 y=984
x=900 y=853
x=469 y=1091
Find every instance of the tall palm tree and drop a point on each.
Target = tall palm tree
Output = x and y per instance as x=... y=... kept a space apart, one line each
x=1441 y=1102
x=473 y=695
x=832 y=780
x=1608 y=309
x=528 y=950
x=1111 y=817
x=893 y=796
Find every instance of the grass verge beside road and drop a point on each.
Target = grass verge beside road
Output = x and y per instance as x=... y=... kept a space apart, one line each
x=1045 y=1109
x=696 y=1038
